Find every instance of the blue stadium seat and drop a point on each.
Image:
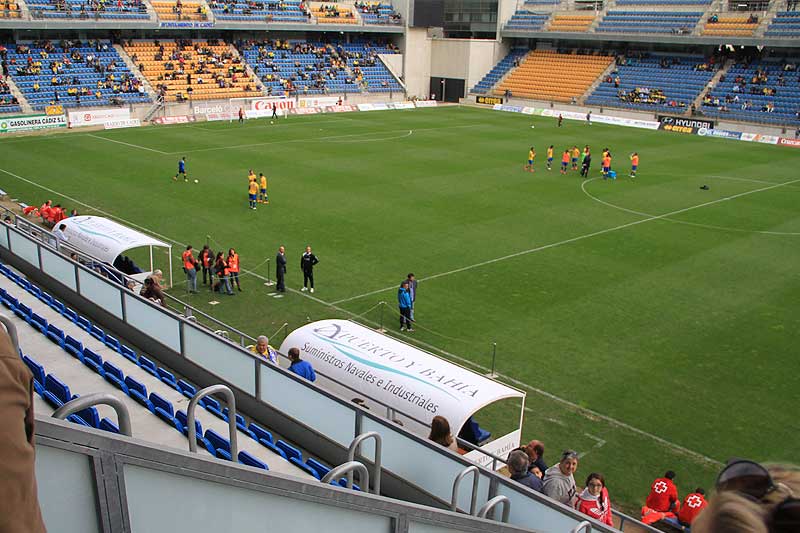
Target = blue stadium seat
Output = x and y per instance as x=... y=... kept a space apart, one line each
x=97 y=333
x=218 y=441
x=57 y=388
x=212 y=406
x=186 y=388
x=181 y=417
x=93 y=361
x=138 y=392
x=274 y=449
x=39 y=322
x=167 y=377
x=70 y=315
x=163 y=408
x=75 y=419
x=55 y=334
x=304 y=467
x=38 y=388
x=90 y=415
x=112 y=343
x=108 y=425
x=83 y=323
x=289 y=450
x=260 y=432
x=247 y=459
x=115 y=376
x=321 y=469
x=74 y=346
x=23 y=311
x=148 y=366
x=36 y=369
x=57 y=306
x=128 y=354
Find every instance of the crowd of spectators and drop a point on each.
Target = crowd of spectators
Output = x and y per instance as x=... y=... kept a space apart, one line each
x=95 y=8
x=375 y=8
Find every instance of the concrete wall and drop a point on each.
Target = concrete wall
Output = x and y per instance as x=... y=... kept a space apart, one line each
x=417 y=56
x=467 y=59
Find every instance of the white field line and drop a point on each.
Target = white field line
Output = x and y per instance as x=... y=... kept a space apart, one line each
x=686 y=222
x=128 y=144
x=588 y=413
x=282 y=124
x=408 y=134
x=576 y=239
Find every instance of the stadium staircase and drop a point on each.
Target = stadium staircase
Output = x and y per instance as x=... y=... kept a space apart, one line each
x=499 y=72
x=248 y=68
x=607 y=72
x=134 y=68
x=23 y=102
x=713 y=82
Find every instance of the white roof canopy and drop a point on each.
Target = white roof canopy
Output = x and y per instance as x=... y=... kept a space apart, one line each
x=410 y=380
x=103 y=238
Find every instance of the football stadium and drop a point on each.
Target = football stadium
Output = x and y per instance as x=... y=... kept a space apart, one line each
x=403 y=265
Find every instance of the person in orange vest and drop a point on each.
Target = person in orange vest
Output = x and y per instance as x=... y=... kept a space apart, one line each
x=221 y=266
x=190 y=267
x=634 y=163
x=233 y=268
x=206 y=260
x=662 y=503
x=564 y=161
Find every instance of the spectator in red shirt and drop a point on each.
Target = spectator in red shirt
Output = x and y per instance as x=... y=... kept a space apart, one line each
x=594 y=500
x=693 y=505
x=663 y=495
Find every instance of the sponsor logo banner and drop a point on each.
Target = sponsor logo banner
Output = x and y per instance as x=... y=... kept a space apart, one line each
x=30 y=123
x=784 y=141
x=725 y=134
x=684 y=122
x=179 y=119
x=206 y=109
x=341 y=108
x=117 y=124
x=305 y=111
x=186 y=24
x=262 y=107
x=674 y=128
x=380 y=107
x=500 y=447
x=425 y=103
x=401 y=105
x=508 y=108
x=321 y=101
x=54 y=110
x=216 y=117
x=758 y=138
x=96 y=117
x=602 y=119
x=488 y=100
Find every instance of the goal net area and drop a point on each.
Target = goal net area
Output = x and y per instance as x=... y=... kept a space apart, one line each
x=261 y=107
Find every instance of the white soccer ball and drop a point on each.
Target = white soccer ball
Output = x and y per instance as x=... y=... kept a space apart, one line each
x=271 y=122
x=196 y=181
x=532 y=126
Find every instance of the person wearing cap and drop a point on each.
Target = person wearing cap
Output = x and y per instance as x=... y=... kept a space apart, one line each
x=559 y=482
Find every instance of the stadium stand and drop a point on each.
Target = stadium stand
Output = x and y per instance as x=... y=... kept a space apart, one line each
x=730 y=25
x=764 y=91
x=179 y=10
x=672 y=22
x=73 y=74
x=527 y=20
x=10 y=10
x=260 y=11
x=570 y=23
x=200 y=70
x=8 y=102
x=499 y=70
x=363 y=60
x=377 y=13
x=653 y=81
x=550 y=75
x=333 y=14
x=95 y=9
x=785 y=24
x=663 y=3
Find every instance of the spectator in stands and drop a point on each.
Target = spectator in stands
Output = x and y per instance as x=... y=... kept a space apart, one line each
x=264 y=350
x=60 y=235
x=559 y=482
x=594 y=500
x=518 y=465
x=152 y=291
x=753 y=499
x=19 y=506
x=440 y=433
x=535 y=451
x=300 y=367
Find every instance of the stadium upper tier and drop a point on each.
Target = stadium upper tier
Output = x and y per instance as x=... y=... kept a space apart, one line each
x=764 y=91
x=651 y=82
x=201 y=70
x=785 y=24
x=549 y=75
x=73 y=74
x=80 y=9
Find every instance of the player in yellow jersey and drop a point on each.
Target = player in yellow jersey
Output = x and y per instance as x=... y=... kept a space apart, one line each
x=576 y=153
x=251 y=177
x=263 y=196
x=531 y=159
x=253 y=193
x=550 y=158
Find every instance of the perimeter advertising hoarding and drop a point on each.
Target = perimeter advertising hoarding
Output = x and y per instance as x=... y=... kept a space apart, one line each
x=488 y=100
x=97 y=117
x=31 y=123
x=683 y=124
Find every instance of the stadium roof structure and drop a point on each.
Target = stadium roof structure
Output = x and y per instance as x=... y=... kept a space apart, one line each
x=105 y=239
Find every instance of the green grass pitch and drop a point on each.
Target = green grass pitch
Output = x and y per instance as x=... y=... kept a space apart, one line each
x=654 y=324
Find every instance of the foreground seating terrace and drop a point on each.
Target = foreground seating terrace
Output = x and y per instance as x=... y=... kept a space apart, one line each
x=672 y=22
x=260 y=10
x=378 y=13
x=73 y=74
x=180 y=10
x=334 y=14
x=499 y=70
x=527 y=20
x=570 y=23
x=200 y=70
x=734 y=25
x=94 y=9
x=785 y=24
x=9 y=9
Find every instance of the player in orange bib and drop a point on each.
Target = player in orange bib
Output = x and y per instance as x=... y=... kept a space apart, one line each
x=564 y=161
x=634 y=163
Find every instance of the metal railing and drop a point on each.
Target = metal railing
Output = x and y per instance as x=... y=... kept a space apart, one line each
x=348 y=468
x=231 y=401
x=489 y=506
x=90 y=400
x=351 y=455
x=457 y=485
x=583 y=526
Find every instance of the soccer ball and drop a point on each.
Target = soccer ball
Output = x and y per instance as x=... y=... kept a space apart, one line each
x=271 y=122
x=196 y=181
x=532 y=126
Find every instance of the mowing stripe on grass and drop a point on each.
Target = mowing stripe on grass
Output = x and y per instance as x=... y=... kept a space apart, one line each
x=578 y=238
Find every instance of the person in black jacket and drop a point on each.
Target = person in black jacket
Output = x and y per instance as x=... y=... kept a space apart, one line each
x=280 y=269
x=307 y=262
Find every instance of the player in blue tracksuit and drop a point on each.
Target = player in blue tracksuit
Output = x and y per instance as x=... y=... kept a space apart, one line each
x=405 y=303
x=181 y=170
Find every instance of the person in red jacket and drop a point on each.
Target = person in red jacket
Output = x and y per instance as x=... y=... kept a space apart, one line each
x=594 y=500
x=663 y=495
x=692 y=506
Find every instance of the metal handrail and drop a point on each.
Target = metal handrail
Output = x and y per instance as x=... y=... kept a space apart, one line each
x=351 y=455
x=457 y=485
x=191 y=431
x=11 y=329
x=583 y=526
x=491 y=504
x=100 y=398
x=346 y=468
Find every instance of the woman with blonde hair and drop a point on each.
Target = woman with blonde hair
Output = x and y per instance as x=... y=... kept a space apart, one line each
x=440 y=433
x=752 y=498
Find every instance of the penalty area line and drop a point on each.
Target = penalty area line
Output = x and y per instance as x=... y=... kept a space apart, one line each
x=127 y=144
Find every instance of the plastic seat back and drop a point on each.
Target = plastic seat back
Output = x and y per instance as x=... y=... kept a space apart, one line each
x=247 y=459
